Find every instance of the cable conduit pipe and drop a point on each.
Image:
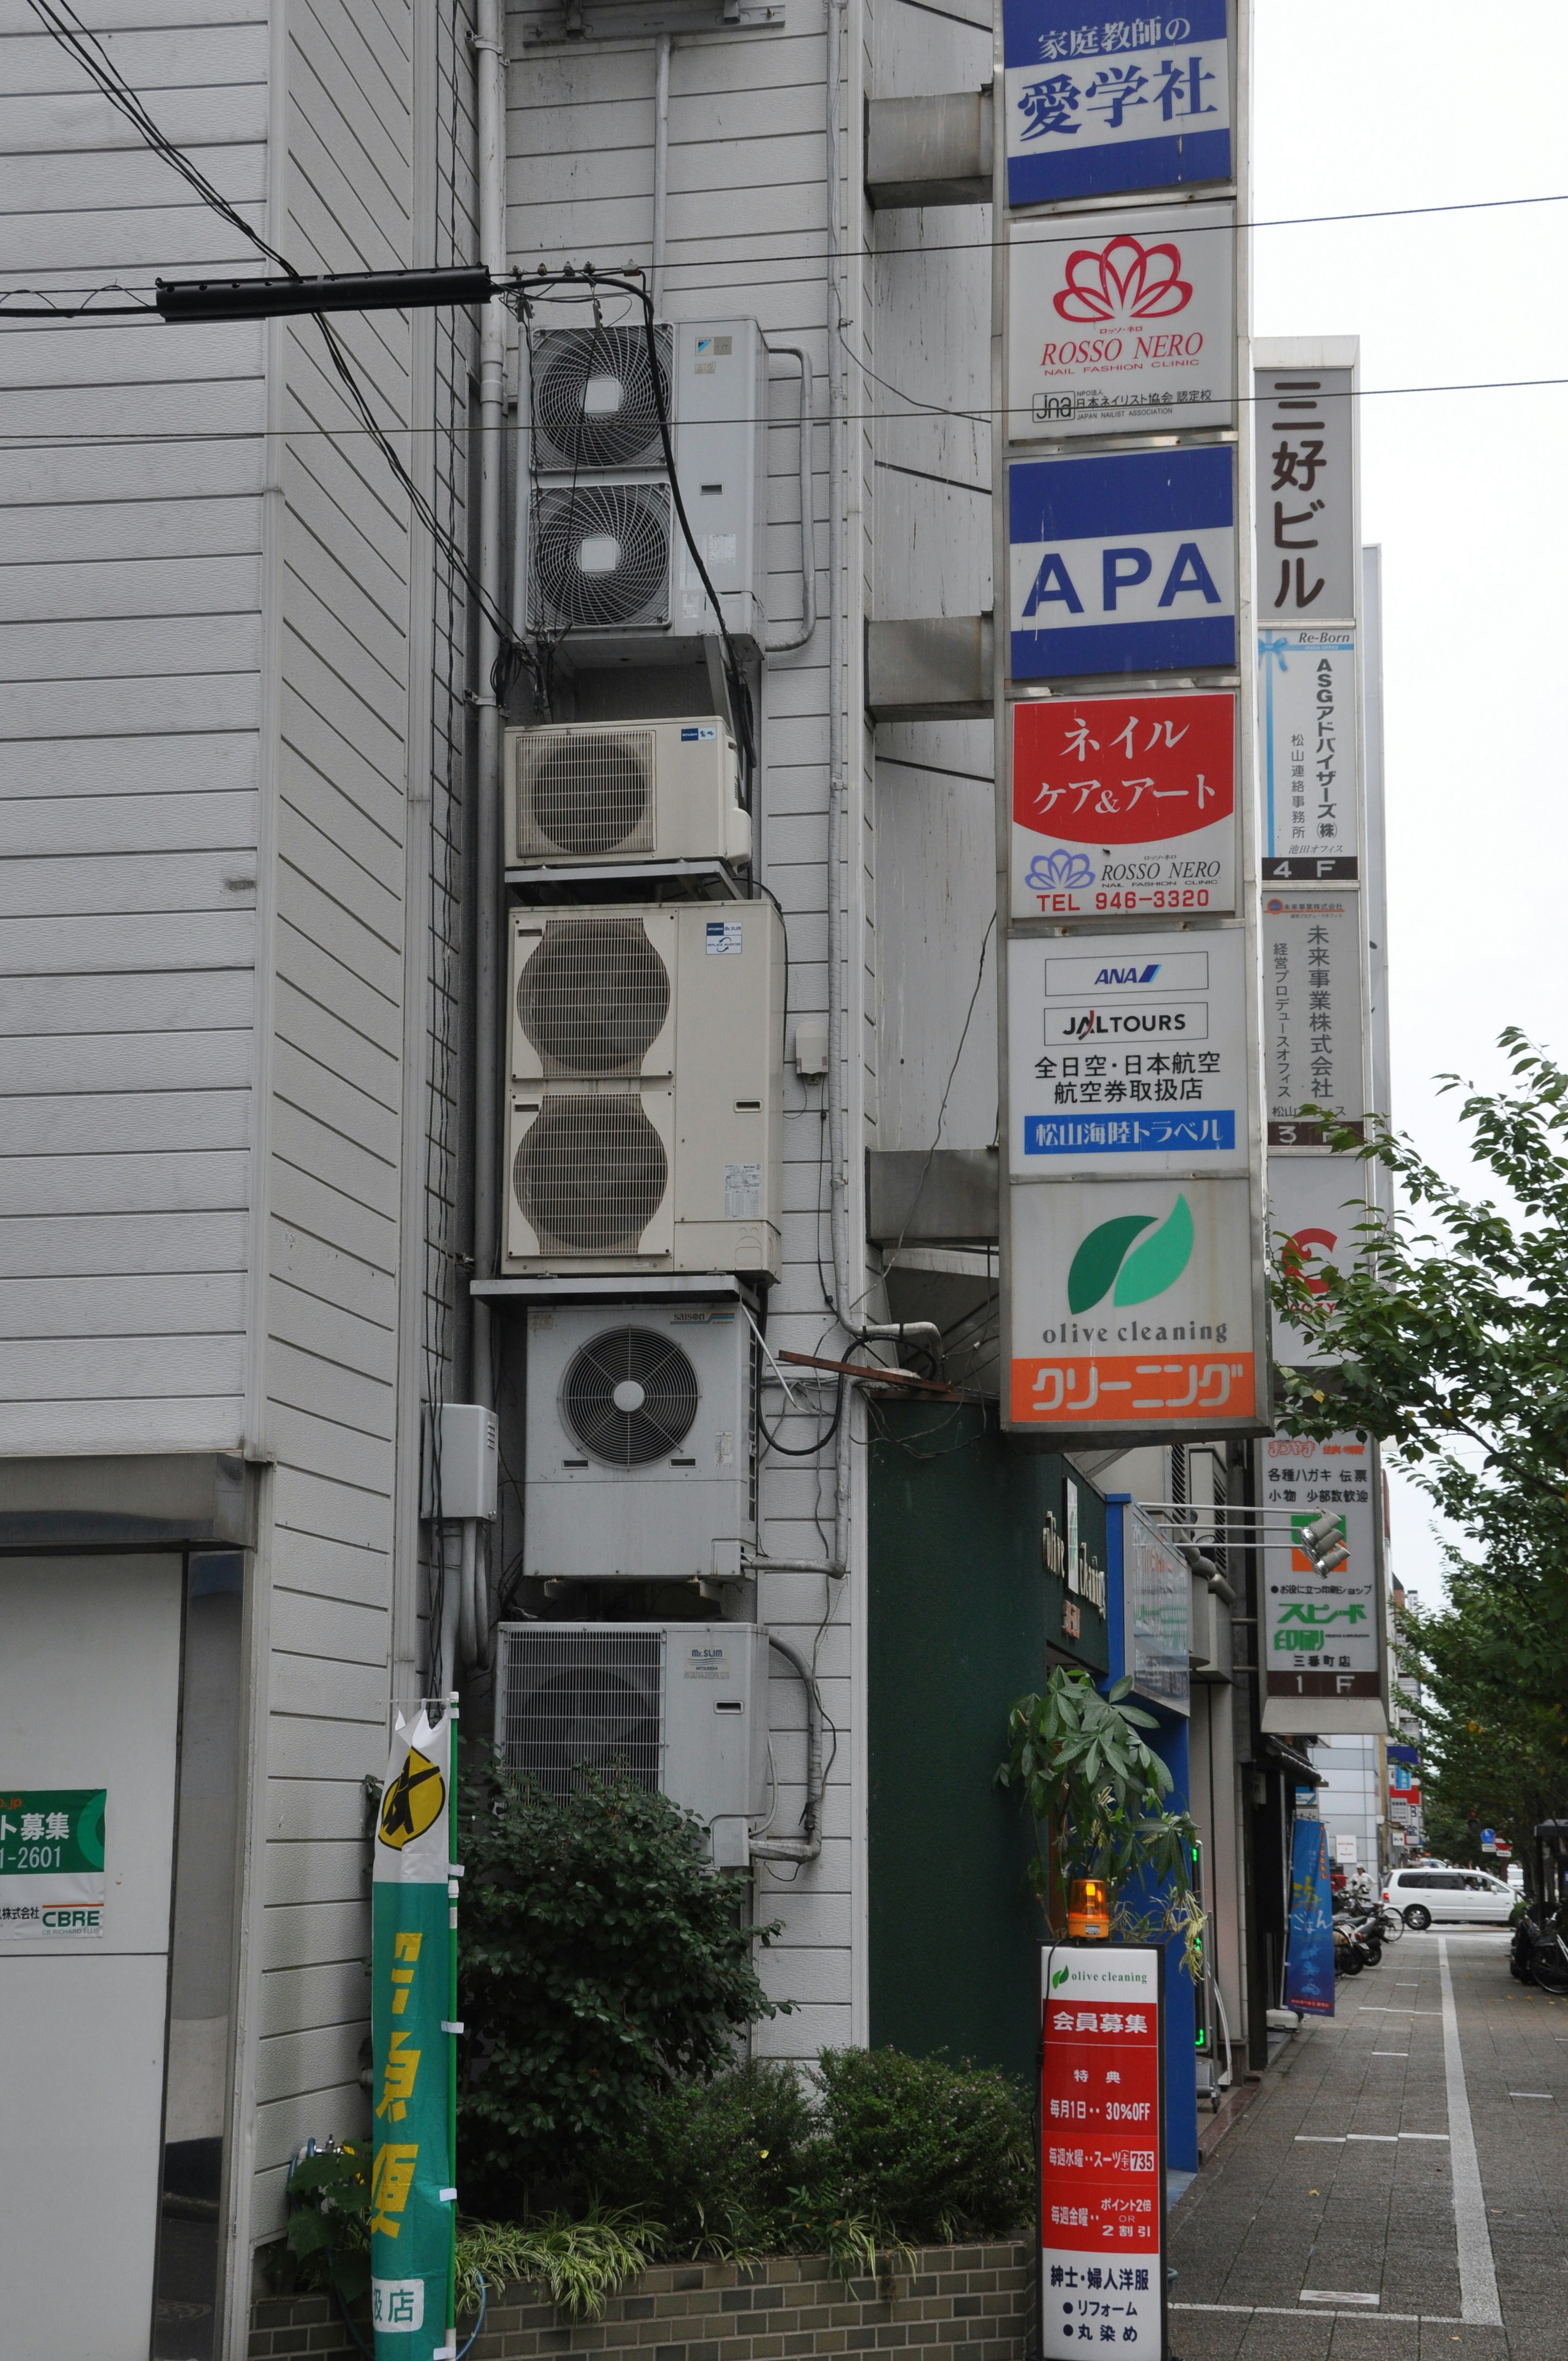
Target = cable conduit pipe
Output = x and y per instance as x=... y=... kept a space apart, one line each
x=807 y=517
x=808 y=1844
x=837 y=1080
x=489 y=66
x=662 y=49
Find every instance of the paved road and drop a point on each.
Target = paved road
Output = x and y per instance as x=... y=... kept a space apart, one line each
x=1412 y=2154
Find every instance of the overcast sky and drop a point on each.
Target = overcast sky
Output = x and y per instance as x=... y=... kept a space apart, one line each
x=1363 y=104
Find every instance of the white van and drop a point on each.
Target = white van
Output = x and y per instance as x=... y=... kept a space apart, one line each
x=1422 y=1895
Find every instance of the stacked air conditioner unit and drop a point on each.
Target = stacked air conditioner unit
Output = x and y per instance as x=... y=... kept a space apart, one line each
x=677 y=1707
x=641 y=1464
x=609 y=572
x=645 y=1089
x=603 y=792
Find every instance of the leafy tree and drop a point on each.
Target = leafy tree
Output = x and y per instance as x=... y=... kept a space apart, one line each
x=1096 y=1793
x=1450 y=1336
x=602 y=1962
x=1494 y=1756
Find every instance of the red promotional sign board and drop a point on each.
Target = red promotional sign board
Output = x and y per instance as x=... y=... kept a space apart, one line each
x=1123 y=806
x=1102 y=2149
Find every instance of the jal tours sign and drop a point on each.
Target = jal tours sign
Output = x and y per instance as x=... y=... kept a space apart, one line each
x=1123 y=563
x=1313 y=1044
x=1123 y=803
x=51 y=1865
x=1099 y=105
x=1322 y=1652
x=1131 y=1310
x=1308 y=750
x=1128 y=1053
x=1101 y=2149
x=1307 y=559
x=1118 y=324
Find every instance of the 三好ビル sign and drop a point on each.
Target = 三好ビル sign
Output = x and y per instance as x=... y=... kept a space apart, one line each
x=1122 y=563
x=1306 y=496
x=1123 y=803
x=1121 y=321
x=1096 y=104
x=1102 y=2149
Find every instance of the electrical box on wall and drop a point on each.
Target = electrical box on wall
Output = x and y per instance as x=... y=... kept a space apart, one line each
x=459 y=1459
x=645 y=1089
x=642 y=1463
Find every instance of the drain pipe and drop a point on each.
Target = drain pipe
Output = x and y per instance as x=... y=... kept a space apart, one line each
x=491 y=74
x=808 y=1844
x=838 y=673
x=808 y=518
x=662 y=49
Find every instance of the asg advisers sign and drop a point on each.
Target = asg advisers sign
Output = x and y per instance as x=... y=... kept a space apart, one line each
x=1101 y=2149
x=1120 y=564
x=1123 y=803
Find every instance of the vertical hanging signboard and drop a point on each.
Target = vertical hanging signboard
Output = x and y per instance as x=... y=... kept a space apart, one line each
x=1320 y=1632
x=1102 y=2148
x=413 y=2201
x=1098 y=105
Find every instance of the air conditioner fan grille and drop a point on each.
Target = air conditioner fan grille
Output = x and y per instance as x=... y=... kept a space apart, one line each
x=586 y=791
x=577 y=1702
x=594 y=997
x=590 y=1174
x=601 y=557
x=594 y=398
x=630 y=1397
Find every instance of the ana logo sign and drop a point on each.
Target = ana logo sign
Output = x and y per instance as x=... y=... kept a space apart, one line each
x=1140 y=1273
x=1122 y=281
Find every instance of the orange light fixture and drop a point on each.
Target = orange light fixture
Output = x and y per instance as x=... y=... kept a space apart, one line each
x=1088 y=1910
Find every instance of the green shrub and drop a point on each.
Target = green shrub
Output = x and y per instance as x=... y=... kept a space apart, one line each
x=926 y=2151
x=602 y=1963
x=717 y=2161
x=578 y=2265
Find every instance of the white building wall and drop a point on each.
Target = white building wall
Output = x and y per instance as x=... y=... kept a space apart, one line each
x=130 y=696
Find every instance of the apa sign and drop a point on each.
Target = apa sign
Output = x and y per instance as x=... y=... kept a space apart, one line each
x=1307 y=732
x=1102 y=2148
x=1122 y=323
x=1123 y=803
x=1131 y=1309
x=1128 y=1053
x=1124 y=563
x=1099 y=103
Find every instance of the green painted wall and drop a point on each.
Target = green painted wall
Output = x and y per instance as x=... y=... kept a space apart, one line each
x=962 y=1614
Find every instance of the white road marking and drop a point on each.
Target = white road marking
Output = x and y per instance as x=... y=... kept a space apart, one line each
x=1390 y=2053
x=1477 y=2272
x=1529 y=2094
x=1289 y=2312
x=1335 y=2295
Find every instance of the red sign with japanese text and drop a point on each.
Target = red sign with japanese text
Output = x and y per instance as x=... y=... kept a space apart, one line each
x=1101 y=2149
x=1123 y=803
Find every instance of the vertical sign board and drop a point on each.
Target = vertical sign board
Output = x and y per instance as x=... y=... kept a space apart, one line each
x=1123 y=806
x=1316 y=1203
x=413 y=2201
x=51 y=1863
x=1100 y=104
x=1308 y=749
x=1320 y=1635
x=1156 y=1598
x=1121 y=323
x=1307 y=559
x=1122 y=563
x=1102 y=2148
x=1313 y=1043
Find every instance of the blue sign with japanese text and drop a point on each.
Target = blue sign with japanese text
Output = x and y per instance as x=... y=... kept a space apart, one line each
x=1100 y=104
x=1124 y=563
x=1310 y=1945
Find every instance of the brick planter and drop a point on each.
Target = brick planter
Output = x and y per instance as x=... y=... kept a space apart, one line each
x=962 y=2303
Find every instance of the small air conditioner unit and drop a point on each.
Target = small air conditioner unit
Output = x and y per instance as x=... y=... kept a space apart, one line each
x=679 y=1707
x=609 y=571
x=646 y=1087
x=618 y=791
x=642 y=1460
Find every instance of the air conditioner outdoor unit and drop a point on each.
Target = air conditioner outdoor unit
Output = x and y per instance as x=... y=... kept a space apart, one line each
x=617 y=791
x=609 y=571
x=644 y=1130
x=642 y=1463
x=679 y=1707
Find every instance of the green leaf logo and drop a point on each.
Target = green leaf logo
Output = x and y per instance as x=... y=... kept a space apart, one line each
x=1062 y=1974
x=1148 y=1270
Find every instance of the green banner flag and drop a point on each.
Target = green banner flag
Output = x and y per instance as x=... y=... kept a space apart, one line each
x=413 y=2200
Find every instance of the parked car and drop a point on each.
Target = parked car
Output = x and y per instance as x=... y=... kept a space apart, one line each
x=1421 y=1896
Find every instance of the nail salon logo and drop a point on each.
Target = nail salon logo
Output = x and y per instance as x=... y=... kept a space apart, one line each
x=1121 y=282
x=1108 y=1259
x=1060 y=872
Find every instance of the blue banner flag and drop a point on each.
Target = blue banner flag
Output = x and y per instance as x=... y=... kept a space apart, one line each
x=1309 y=1952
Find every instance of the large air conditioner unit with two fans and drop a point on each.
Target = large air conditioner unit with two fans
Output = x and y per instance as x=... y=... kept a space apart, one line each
x=680 y=1708
x=619 y=791
x=609 y=572
x=641 y=1464
x=645 y=1089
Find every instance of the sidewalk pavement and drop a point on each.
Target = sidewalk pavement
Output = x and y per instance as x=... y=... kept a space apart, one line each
x=1399 y=2190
